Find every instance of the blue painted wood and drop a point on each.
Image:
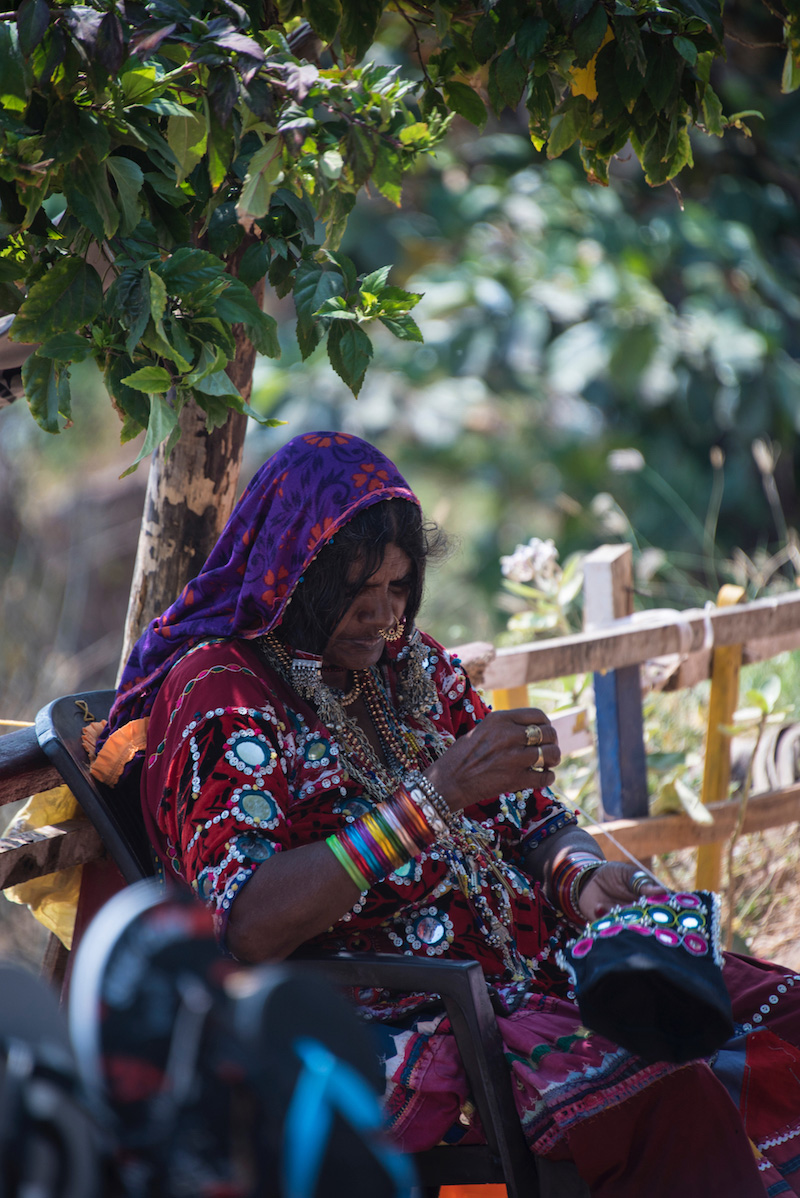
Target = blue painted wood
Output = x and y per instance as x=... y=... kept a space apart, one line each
x=620 y=743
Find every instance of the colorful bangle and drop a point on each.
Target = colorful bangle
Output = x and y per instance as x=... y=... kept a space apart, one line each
x=438 y=802
x=568 y=879
x=384 y=839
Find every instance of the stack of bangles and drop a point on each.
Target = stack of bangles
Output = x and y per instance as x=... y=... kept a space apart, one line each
x=568 y=879
x=391 y=835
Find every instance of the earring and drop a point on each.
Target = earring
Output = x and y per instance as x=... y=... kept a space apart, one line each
x=417 y=690
x=393 y=634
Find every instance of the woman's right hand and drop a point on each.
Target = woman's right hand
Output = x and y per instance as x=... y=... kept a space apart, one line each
x=495 y=757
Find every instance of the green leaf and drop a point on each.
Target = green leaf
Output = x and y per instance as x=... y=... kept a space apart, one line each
x=161 y=426
x=350 y=353
x=360 y=148
x=11 y=298
x=587 y=37
x=66 y=347
x=707 y=11
x=132 y=406
x=323 y=16
x=466 y=102
x=217 y=383
x=387 y=174
x=110 y=42
x=264 y=172
x=531 y=38
x=89 y=196
x=161 y=348
x=607 y=81
x=358 y=25
x=47 y=391
x=151 y=379
x=790 y=77
x=185 y=271
x=566 y=126
x=220 y=149
x=70 y=294
x=484 y=38
x=187 y=137
x=237 y=304
x=686 y=48
x=33 y=18
x=301 y=208
x=313 y=286
x=662 y=78
x=128 y=299
x=629 y=41
x=158 y=296
x=629 y=82
x=129 y=178
x=13 y=71
x=712 y=112
x=403 y=326
x=511 y=77
x=208 y=361
x=253 y=264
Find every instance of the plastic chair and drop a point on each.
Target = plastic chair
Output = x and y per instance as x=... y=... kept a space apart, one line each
x=116 y=815
x=504 y=1159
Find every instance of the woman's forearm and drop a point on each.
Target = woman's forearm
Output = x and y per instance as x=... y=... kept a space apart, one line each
x=540 y=862
x=292 y=897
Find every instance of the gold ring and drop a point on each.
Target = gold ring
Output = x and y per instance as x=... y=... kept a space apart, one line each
x=533 y=736
x=538 y=759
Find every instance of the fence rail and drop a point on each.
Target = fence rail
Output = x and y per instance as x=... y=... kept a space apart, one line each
x=763 y=628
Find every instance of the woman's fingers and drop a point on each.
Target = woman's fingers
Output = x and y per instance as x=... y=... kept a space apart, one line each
x=507 y=751
x=613 y=885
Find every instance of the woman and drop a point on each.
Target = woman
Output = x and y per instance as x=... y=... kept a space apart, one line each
x=324 y=775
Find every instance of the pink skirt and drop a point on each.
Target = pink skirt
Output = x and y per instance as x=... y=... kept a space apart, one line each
x=726 y=1126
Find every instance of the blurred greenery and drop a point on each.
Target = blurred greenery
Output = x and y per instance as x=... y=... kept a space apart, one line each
x=598 y=362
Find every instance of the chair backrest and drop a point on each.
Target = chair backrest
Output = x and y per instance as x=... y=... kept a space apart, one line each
x=116 y=813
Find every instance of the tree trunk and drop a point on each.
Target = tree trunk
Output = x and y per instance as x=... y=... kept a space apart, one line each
x=190 y=496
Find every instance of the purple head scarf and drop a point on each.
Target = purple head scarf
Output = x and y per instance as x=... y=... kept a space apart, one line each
x=292 y=506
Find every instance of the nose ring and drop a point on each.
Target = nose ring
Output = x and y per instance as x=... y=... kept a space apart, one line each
x=393 y=634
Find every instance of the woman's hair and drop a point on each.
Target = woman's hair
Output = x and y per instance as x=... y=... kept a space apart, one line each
x=328 y=586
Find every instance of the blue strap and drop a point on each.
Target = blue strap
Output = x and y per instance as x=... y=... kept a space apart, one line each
x=327 y=1084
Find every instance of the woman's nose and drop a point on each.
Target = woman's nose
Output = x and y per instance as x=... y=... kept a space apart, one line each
x=380 y=609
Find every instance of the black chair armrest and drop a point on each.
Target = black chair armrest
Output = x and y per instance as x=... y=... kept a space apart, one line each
x=116 y=814
x=462 y=988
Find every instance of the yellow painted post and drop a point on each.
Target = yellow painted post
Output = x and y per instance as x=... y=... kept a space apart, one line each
x=725 y=666
x=504 y=698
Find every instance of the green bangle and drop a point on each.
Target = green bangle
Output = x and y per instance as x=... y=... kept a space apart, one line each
x=344 y=859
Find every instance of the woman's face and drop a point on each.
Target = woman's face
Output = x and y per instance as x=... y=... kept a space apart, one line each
x=356 y=643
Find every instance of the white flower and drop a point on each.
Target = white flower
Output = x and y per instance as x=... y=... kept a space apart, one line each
x=536 y=562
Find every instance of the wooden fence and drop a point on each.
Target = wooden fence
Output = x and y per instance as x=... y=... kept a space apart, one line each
x=613 y=648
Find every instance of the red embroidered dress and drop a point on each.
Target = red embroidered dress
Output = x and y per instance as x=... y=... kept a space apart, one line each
x=238 y=768
x=244 y=769
x=260 y=775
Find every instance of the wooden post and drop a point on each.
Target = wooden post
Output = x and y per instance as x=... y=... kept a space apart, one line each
x=725 y=665
x=608 y=596
x=504 y=698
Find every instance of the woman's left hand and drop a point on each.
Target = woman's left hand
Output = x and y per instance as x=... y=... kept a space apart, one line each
x=610 y=886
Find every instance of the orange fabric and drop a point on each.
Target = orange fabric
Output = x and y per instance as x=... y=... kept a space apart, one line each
x=491 y=1191
x=118 y=750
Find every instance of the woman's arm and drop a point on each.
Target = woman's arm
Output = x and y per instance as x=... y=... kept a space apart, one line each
x=605 y=888
x=292 y=897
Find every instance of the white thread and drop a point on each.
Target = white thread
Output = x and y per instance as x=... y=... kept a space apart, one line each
x=609 y=836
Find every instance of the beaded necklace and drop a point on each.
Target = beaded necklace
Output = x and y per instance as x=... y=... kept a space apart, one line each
x=465 y=848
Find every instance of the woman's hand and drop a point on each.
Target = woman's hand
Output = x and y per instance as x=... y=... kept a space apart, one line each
x=499 y=754
x=610 y=886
